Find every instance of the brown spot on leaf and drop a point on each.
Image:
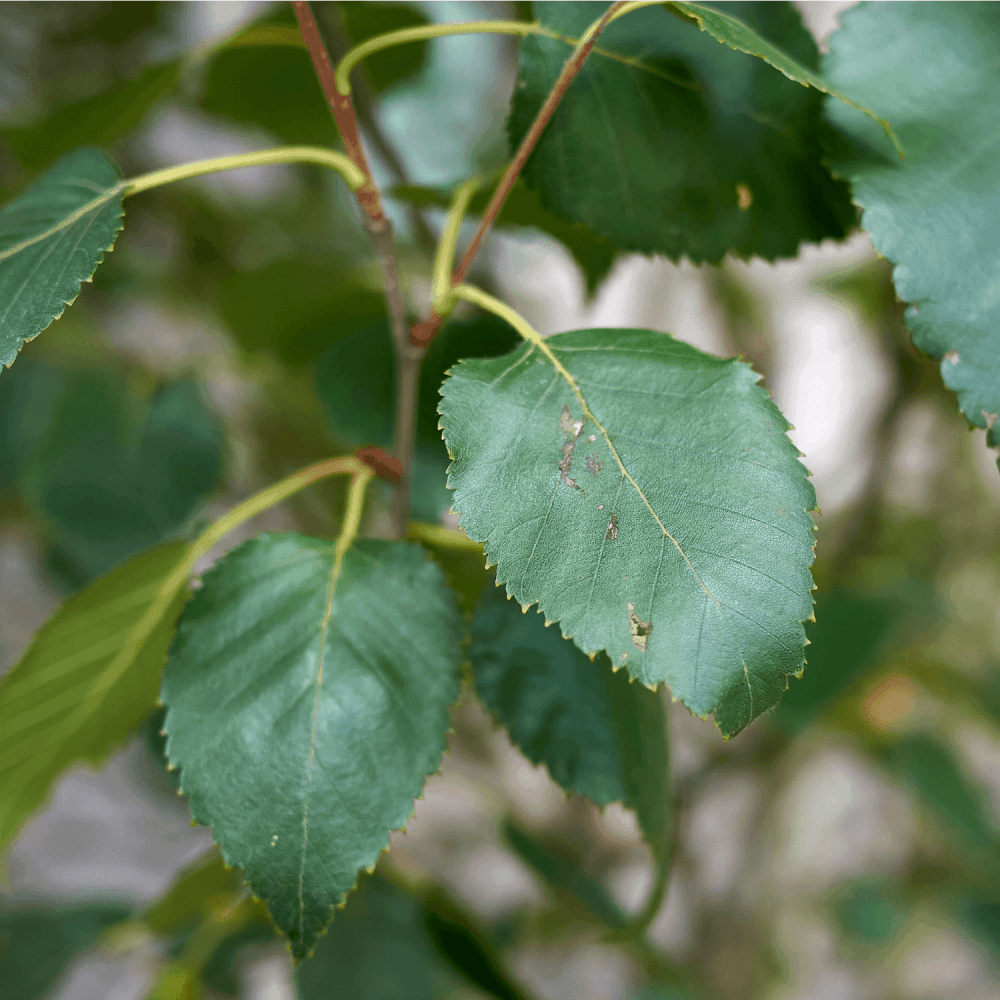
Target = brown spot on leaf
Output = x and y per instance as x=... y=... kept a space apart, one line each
x=612 y=531
x=639 y=630
x=744 y=197
x=594 y=465
x=571 y=428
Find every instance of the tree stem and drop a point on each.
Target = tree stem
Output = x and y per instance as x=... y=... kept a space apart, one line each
x=380 y=229
x=423 y=333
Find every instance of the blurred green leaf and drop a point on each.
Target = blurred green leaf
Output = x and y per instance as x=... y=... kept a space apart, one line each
x=555 y=863
x=197 y=891
x=982 y=918
x=870 y=912
x=465 y=949
x=593 y=253
x=27 y=398
x=694 y=569
x=931 y=770
x=89 y=678
x=933 y=70
x=599 y=733
x=306 y=703
x=356 y=384
x=37 y=944
x=115 y=475
x=296 y=308
x=668 y=142
x=846 y=639
x=51 y=240
x=97 y=120
x=376 y=949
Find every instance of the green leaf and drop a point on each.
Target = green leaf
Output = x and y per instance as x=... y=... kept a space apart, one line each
x=665 y=134
x=666 y=523
x=193 y=896
x=114 y=475
x=97 y=120
x=356 y=384
x=554 y=862
x=51 y=240
x=932 y=771
x=598 y=733
x=933 y=70
x=306 y=703
x=377 y=949
x=36 y=945
x=295 y=308
x=593 y=253
x=88 y=680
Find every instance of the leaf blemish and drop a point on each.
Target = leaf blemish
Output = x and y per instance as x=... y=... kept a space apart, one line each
x=594 y=465
x=951 y=357
x=571 y=428
x=612 y=531
x=639 y=630
x=990 y=418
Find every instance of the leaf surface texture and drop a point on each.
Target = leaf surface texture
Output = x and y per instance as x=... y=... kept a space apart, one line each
x=88 y=679
x=647 y=497
x=665 y=134
x=306 y=703
x=51 y=240
x=933 y=69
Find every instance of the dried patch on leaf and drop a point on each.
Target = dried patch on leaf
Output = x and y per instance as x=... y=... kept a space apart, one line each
x=571 y=428
x=612 y=531
x=594 y=465
x=639 y=630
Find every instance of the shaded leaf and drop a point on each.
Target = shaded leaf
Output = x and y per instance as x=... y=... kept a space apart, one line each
x=89 y=678
x=356 y=384
x=114 y=475
x=296 y=308
x=933 y=70
x=97 y=120
x=306 y=703
x=932 y=771
x=36 y=945
x=51 y=240
x=668 y=142
x=465 y=949
x=377 y=949
x=598 y=733
x=556 y=865
x=666 y=523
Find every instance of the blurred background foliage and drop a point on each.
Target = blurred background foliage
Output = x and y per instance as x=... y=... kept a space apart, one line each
x=845 y=846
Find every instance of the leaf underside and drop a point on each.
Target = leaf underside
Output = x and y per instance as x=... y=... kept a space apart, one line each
x=599 y=734
x=51 y=240
x=305 y=711
x=933 y=69
x=668 y=142
x=88 y=679
x=687 y=560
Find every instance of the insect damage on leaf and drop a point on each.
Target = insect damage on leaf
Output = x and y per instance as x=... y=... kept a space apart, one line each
x=571 y=428
x=594 y=465
x=612 y=531
x=639 y=630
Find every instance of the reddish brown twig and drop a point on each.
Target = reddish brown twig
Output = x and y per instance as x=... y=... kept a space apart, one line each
x=421 y=334
x=340 y=105
x=384 y=465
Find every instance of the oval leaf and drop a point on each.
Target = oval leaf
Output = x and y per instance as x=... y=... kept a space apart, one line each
x=51 y=240
x=668 y=142
x=645 y=495
x=306 y=703
x=933 y=68
x=598 y=733
x=88 y=679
